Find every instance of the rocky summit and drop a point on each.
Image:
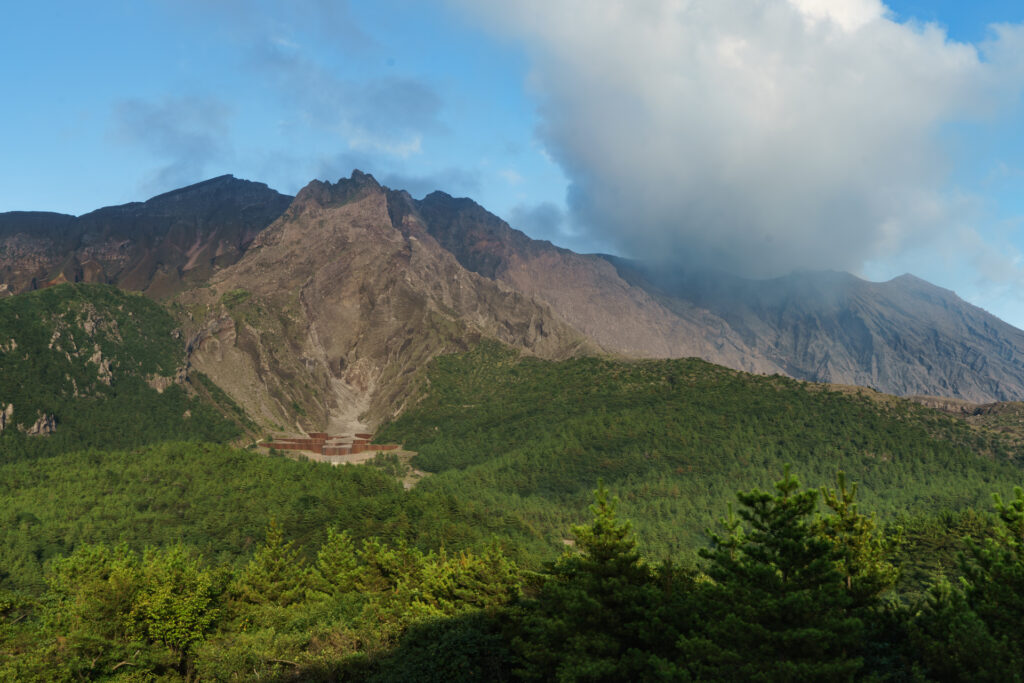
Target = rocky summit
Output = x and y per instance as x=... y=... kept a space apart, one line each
x=336 y=308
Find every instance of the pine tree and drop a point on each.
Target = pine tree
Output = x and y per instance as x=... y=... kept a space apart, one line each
x=176 y=602
x=337 y=565
x=972 y=631
x=276 y=575
x=777 y=610
x=863 y=551
x=598 y=614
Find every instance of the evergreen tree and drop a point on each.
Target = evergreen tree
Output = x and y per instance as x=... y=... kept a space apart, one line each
x=277 y=573
x=598 y=615
x=337 y=565
x=176 y=601
x=972 y=631
x=777 y=610
x=863 y=552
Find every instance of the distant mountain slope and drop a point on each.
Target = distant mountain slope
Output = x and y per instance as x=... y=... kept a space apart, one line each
x=584 y=289
x=157 y=246
x=901 y=337
x=335 y=309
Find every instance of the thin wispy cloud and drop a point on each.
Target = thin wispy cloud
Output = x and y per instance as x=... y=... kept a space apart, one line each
x=187 y=135
x=453 y=180
x=388 y=115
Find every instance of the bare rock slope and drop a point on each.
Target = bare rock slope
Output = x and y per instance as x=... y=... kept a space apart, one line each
x=904 y=337
x=325 y=318
x=335 y=309
x=585 y=289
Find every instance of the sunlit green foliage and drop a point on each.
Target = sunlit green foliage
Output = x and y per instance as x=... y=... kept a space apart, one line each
x=185 y=560
x=216 y=498
x=776 y=599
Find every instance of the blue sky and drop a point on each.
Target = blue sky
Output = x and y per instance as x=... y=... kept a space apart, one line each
x=758 y=137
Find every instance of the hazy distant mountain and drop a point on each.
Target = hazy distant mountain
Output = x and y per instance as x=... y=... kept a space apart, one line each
x=158 y=246
x=585 y=289
x=325 y=308
x=904 y=336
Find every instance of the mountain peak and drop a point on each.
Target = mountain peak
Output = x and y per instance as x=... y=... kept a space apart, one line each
x=211 y=187
x=325 y=193
x=360 y=179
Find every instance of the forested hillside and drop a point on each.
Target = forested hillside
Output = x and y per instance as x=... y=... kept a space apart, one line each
x=675 y=439
x=798 y=585
x=92 y=366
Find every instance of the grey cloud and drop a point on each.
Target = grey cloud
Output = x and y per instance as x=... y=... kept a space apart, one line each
x=188 y=134
x=756 y=137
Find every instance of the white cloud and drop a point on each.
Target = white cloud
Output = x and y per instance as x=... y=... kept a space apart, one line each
x=849 y=15
x=756 y=136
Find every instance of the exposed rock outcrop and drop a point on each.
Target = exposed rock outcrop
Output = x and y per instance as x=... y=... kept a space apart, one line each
x=103 y=368
x=43 y=426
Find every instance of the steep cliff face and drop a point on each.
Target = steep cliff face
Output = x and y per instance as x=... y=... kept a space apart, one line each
x=158 y=247
x=336 y=307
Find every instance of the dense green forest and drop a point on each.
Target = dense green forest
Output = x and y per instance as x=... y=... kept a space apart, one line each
x=136 y=545
x=674 y=439
x=797 y=585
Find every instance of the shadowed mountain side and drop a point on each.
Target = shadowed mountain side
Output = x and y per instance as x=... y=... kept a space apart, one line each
x=157 y=247
x=336 y=307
